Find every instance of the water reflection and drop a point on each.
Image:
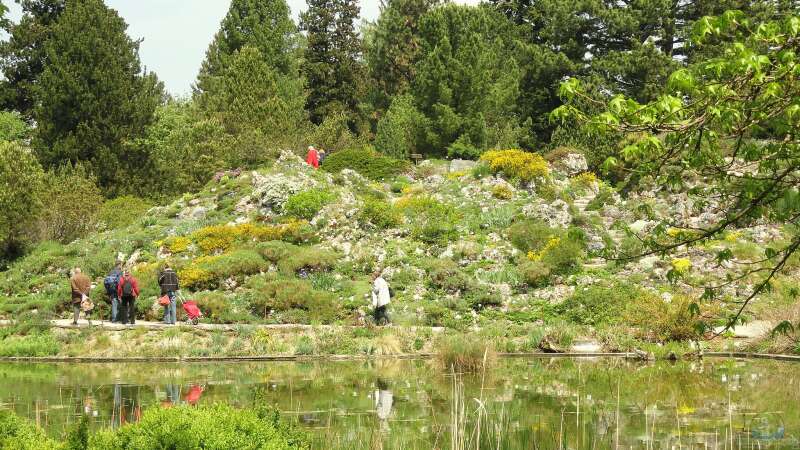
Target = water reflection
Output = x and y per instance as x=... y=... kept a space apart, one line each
x=540 y=403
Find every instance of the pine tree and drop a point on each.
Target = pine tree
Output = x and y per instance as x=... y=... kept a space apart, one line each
x=393 y=48
x=467 y=80
x=332 y=68
x=22 y=56
x=265 y=25
x=93 y=94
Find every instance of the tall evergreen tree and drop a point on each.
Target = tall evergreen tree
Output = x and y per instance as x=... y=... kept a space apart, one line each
x=467 y=81
x=393 y=48
x=22 y=55
x=93 y=94
x=332 y=65
x=265 y=25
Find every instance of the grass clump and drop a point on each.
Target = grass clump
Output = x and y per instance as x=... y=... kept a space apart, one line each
x=465 y=353
x=32 y=345
x=599 y=304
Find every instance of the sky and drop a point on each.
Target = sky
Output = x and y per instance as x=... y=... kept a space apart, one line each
x=176 y=33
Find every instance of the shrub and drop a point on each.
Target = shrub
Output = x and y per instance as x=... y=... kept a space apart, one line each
x=400 y=129
x=239 y=262
x=73 y=202
x=564 y=256
x=365 y=161
x=517 y=164
x=463 y=150
x=535 y=273
x=33 y=345
x=308 y=258
x=196 y=278
x=306 y=204
x=661 y=320
x=444 y=274
x=267 y=297
x=379 y=214
x=275 y=251
x=604 y=197
x=177 y=244
x=465 y=353
x=19 y=434
x=217 y=427
x=481 y=170
x=433 y=222
x=502 y=192
x=530 y=235
x=219 y=238
x=481 y=297
x=598 y=304
x=122 y=211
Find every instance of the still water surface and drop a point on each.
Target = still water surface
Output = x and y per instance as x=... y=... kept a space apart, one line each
x=521 y=403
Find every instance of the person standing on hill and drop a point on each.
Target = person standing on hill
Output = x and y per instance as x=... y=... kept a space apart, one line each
x=80 y=285
x=380 y=298
x=128 y=290
x=168 y=282
x=111 y=282
x=312 y=157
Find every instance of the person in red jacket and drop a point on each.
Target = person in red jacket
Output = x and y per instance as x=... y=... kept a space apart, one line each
x=313 y=157
x=128 y=290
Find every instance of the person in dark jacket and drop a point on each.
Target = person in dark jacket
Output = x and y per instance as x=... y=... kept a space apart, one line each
x=80 y=285
x=168 y=282
x=128 y=291
x=111 y=283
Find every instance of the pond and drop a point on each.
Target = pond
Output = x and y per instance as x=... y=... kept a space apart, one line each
x=545 y=403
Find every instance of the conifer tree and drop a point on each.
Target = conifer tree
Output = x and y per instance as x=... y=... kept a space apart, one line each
x=393 y=48
x=265 y=25
x=22 y=55
x=331 y=67
x=93 y=95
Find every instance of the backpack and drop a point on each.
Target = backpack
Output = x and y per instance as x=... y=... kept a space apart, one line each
x=111 y=282
x=127 y=288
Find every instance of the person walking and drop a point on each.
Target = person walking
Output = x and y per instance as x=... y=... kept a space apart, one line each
x=168 y=282
x=312 y=157
x=380 y=298
x=111 y=282
x=127 y=291
x=80 y=285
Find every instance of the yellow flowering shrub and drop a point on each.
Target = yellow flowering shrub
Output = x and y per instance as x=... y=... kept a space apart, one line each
x=551 y=244
x=517 y=164
x=733 y=236
x=220 y=238
x=584 y=179
x=502 y=192
x=681 y=265
x=194 y=277
x=177 y=244
x=456 y=175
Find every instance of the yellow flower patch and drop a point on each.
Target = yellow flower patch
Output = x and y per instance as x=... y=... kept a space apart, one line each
x=681 y=265
x=551 y=244
x=517 y=164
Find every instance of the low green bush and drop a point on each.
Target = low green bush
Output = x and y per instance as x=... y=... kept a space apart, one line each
x=481 y=297
x=33 y=345
x=659 y=320
x=530 y=235
x=306 y=204
x=535 y=273
x=380 y=214
x=281 y=298
x=275 y=251
x=312 y=259
x=445 y=275
x=564 y=257
x=599 y=304
x=122 y=211
x=432 y=221
x=365 y=161
x=211 y=427
x=19 y=434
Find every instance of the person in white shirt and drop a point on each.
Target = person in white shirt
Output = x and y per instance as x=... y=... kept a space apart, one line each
x=380 y=298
